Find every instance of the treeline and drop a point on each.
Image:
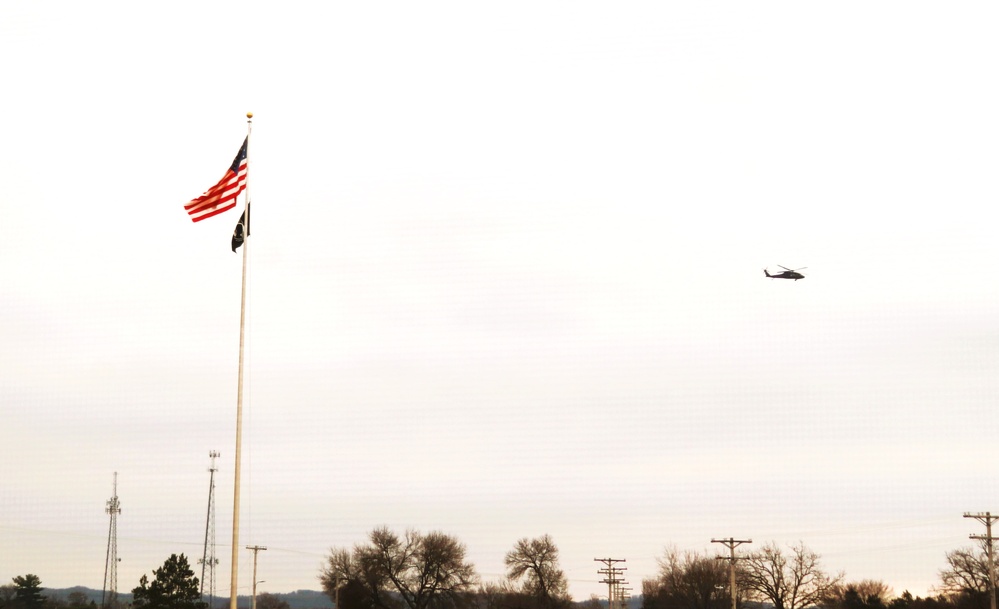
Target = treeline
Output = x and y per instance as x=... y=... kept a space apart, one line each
x=80 y=597
x=417 y=570
x=793 y=577
x=25 y=592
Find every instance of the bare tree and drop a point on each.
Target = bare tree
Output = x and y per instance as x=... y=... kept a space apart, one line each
x=789 y=581
x=78 y=600
x=686 y=580
x=497 y=595
x=55 y=601
x=535 y=563
x=266 y=600
x=965 y=581
x=967 y=571
x=870 y=589
x=416 y=571
x=7 y=595
x=864 y=594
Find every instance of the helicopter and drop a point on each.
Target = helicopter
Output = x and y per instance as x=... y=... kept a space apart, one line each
x=786 y=273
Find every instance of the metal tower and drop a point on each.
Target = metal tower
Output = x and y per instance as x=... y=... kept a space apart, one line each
x=208 y=559
x=109 y=597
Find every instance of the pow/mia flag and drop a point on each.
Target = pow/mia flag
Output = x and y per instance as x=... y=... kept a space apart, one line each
x=242 y=228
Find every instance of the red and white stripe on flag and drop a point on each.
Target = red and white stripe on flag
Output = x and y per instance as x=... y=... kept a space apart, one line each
x=222 y=196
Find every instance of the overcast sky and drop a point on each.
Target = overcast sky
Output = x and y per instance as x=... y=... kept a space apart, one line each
x=505 y=279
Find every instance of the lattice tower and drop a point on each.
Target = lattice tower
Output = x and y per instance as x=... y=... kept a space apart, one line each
x=109 y=597
x=208 y=559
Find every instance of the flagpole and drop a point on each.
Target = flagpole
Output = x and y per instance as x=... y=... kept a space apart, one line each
x=234 y=565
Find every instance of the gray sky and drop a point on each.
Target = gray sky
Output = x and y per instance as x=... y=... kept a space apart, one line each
x=505 y=280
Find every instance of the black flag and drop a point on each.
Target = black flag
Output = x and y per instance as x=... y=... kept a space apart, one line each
x=239 y=231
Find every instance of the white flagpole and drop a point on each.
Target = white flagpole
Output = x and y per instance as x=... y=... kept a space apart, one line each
x=234 y=565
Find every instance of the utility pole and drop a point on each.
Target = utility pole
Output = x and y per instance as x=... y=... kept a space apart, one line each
x=731 y=544
x=987 y=519
x=612 y=579
x=624 y=595
x=256 y=549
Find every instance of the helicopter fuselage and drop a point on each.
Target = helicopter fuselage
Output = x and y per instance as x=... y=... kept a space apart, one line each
x=785 y=275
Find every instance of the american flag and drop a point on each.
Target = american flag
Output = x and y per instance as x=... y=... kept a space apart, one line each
x=222 y=196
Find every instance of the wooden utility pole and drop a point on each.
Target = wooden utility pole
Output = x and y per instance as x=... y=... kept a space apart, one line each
x=612 y=579
x=256 y=549
x=987 y=519
x=731 y=544
x=624 y=595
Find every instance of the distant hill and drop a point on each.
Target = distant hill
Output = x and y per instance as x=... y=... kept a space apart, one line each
x=92 y=595
x=299 y=599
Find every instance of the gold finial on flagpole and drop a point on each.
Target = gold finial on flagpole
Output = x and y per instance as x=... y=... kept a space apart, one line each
x=249 y=115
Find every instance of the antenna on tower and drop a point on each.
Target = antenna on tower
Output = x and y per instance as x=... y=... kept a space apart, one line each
x=109 y=597
x=208 y=559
